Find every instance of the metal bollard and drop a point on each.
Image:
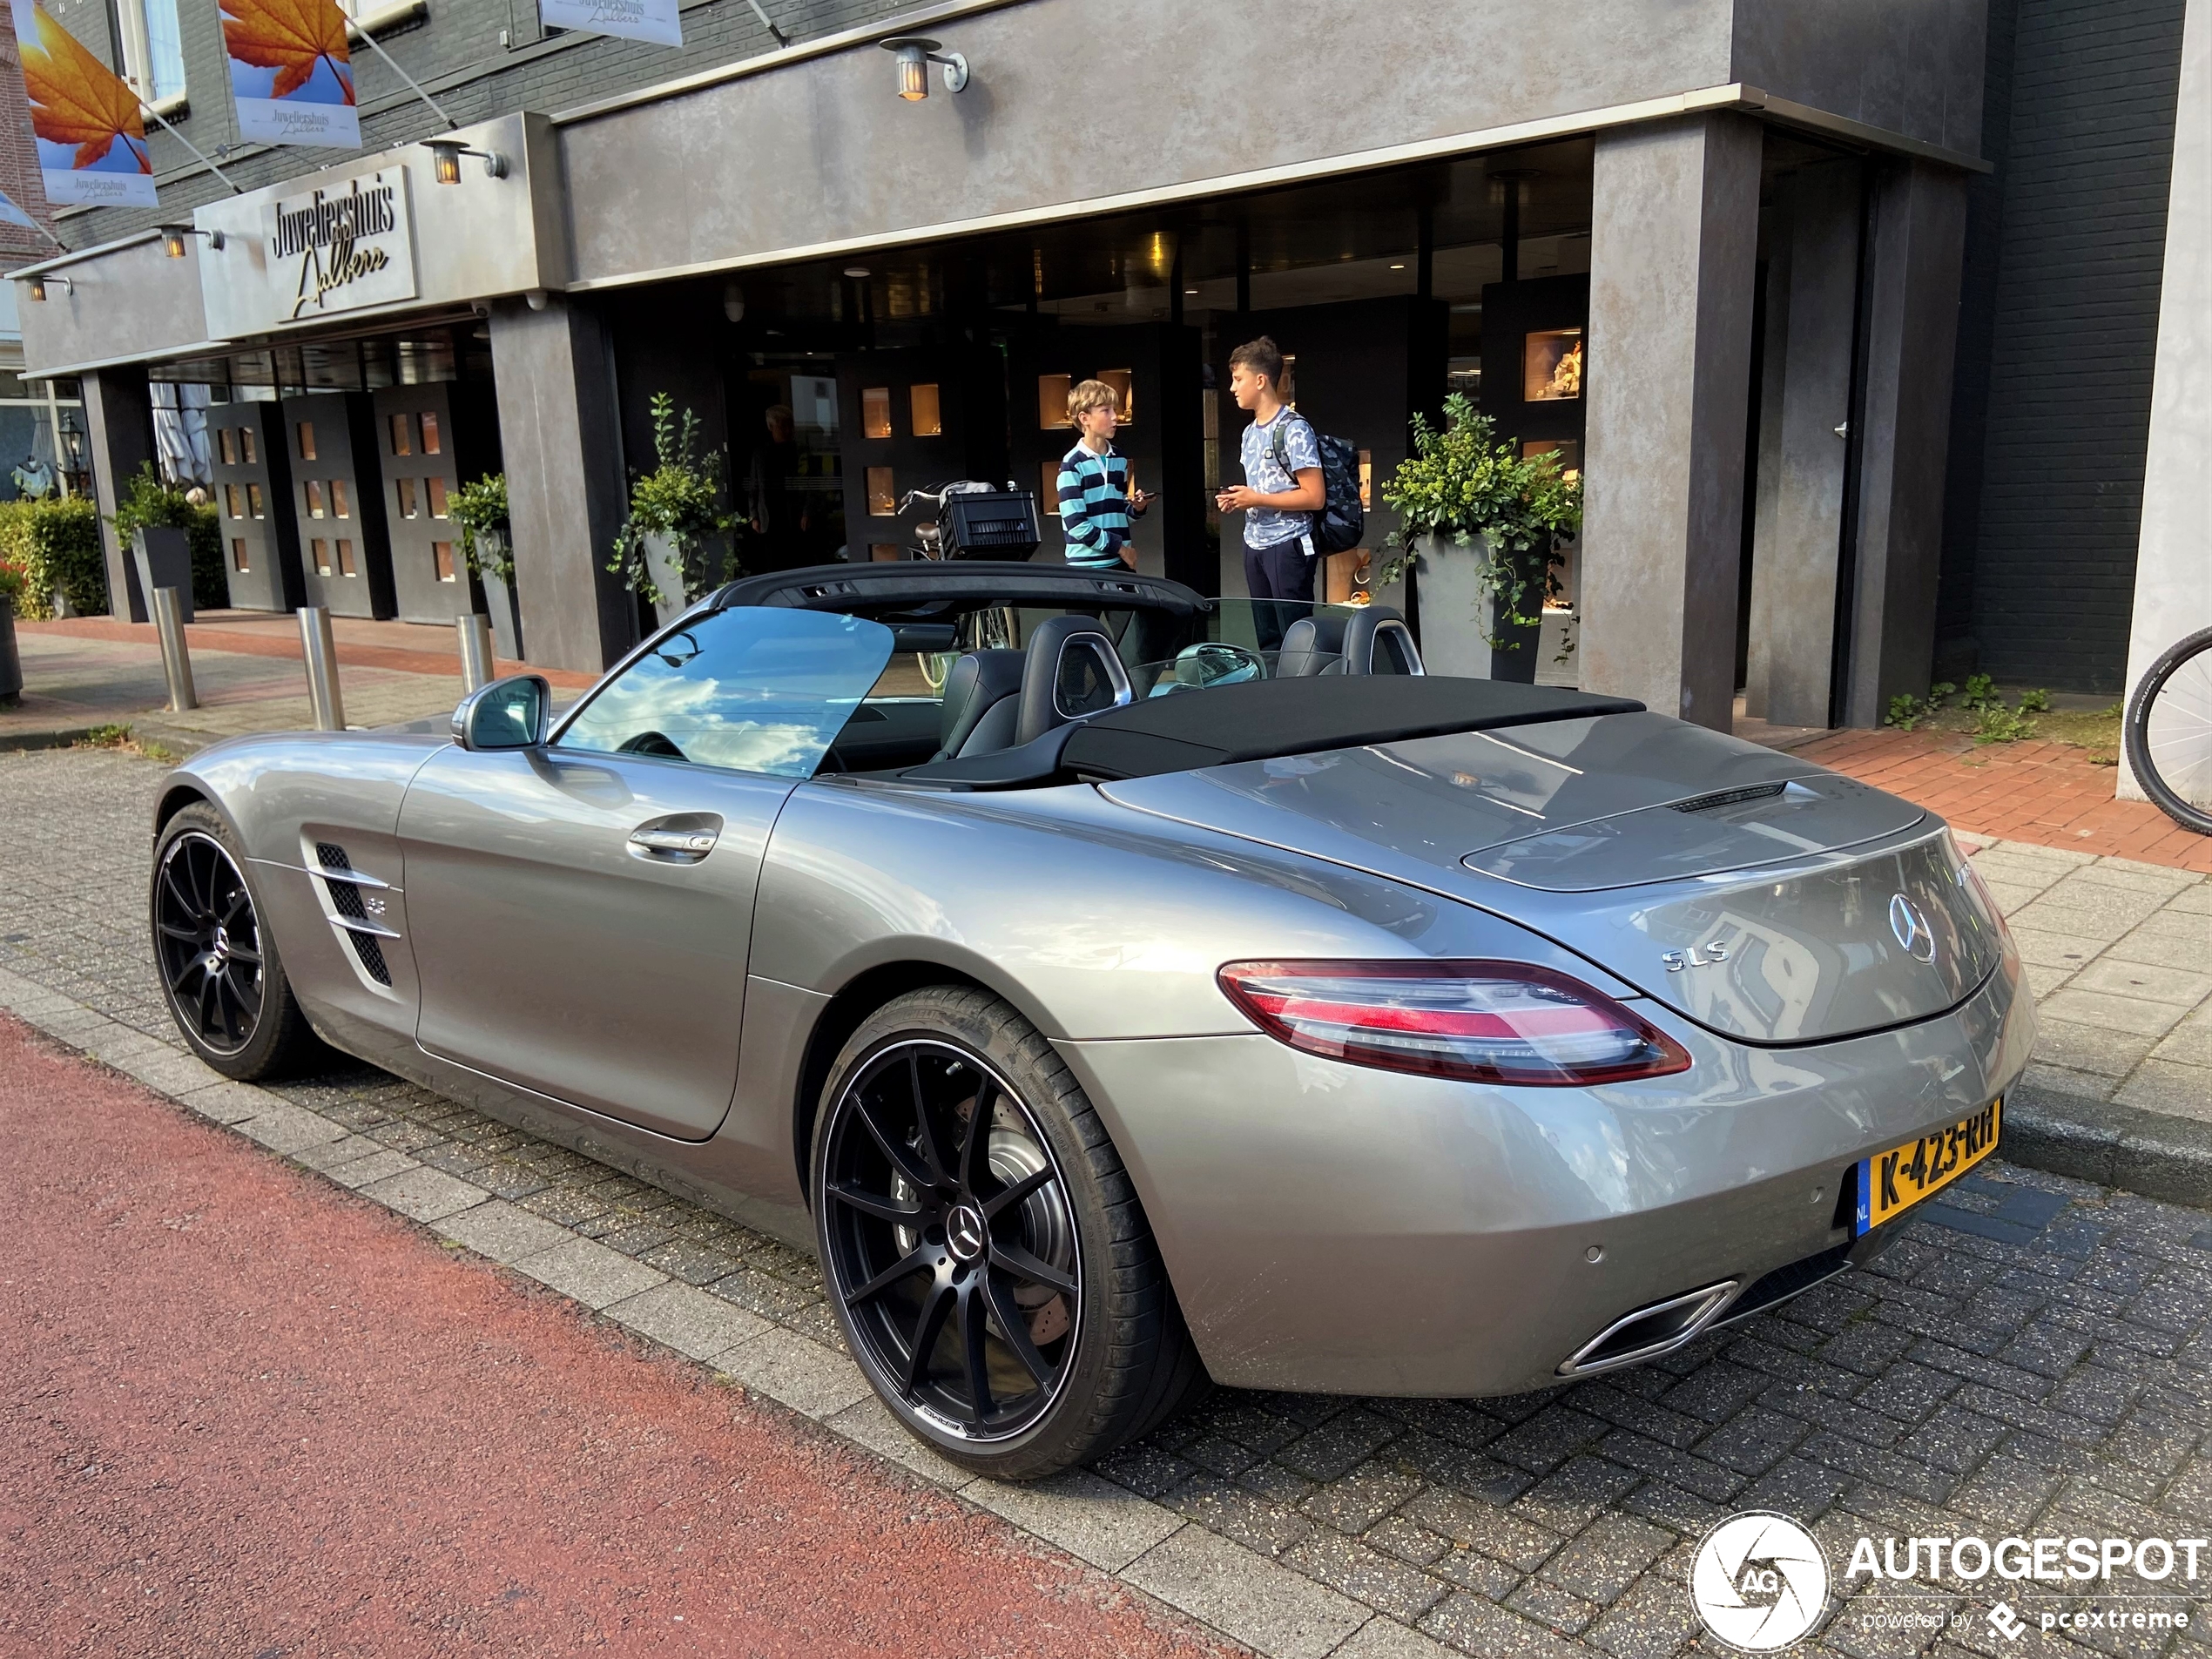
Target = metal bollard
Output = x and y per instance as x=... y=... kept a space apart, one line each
x=323 y=697
x=176 y=661
x=476 y=651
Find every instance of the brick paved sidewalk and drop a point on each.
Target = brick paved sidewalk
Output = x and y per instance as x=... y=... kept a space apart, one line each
x=2051 y=793
x=2034 y=1355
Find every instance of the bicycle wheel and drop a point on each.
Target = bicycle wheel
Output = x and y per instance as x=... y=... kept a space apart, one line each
x=2168 y=732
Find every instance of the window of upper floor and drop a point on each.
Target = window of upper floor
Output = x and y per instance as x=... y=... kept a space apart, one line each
x=153 y=53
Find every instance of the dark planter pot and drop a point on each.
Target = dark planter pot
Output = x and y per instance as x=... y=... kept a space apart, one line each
x=10 y=659
x=1514 y=657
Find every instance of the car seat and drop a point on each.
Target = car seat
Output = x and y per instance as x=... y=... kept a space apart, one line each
x=982 y=703
x=1311 y=645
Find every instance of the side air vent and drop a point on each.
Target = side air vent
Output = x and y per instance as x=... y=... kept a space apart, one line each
x=1730 y=798
x=361 y=929
x=372 y=958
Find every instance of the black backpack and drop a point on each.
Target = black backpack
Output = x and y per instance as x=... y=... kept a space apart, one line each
x=1341 y=520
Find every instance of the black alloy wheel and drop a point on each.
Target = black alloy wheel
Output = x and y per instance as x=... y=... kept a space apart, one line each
x=950 y=1241
x=208 y=942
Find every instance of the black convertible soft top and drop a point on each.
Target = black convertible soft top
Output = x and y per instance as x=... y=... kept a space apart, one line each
x=920 y=587
x=1261 y=720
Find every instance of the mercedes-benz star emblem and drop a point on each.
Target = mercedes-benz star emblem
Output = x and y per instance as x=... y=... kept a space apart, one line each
x=1759 y=1581
x=1911 y=929
x=965 y=1232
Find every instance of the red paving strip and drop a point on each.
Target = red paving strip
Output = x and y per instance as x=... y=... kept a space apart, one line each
x=2051 y=793
x=248 y=1414
x=252 y=641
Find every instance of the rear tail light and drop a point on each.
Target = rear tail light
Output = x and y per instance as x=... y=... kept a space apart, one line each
x=1495 y=1022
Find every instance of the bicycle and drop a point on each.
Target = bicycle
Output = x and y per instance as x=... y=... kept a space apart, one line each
x=2168 y=732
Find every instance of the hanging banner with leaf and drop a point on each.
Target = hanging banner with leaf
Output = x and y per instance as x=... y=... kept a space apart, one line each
x=291 y=72
x=92 y=140
x=653 y=20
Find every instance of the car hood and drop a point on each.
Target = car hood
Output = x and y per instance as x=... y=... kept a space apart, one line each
x=1763 y=896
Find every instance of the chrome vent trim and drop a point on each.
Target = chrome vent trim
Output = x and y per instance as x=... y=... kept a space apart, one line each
x=352 y=914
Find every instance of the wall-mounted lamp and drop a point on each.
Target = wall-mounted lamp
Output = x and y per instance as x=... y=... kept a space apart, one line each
x=915 y=55
x=174 y=238
x=733 y=303
x=445 y=160
x=38 y=285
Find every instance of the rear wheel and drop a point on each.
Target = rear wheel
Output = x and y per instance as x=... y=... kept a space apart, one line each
x=984 y=1249
x=220 y=974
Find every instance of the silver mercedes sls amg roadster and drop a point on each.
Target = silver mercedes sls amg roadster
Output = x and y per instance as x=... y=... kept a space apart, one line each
x=1123 y=991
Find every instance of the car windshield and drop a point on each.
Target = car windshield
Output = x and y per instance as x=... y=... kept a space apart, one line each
x=751 y=688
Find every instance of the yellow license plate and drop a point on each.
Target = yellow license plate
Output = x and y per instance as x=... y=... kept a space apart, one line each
x=1891 y=1182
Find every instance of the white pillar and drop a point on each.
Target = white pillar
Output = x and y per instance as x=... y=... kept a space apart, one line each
x=2173 y=557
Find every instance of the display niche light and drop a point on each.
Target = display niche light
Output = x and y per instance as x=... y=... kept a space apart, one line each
x=915 y=54
x=445 y=160
x=175 y=237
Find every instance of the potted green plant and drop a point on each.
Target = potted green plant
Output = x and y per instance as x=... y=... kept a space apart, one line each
x=1481 y=528
x=488 y=549
x=668 y=549
x=176 y=540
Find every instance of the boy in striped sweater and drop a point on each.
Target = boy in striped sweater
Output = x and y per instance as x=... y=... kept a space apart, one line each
x=1095 y=502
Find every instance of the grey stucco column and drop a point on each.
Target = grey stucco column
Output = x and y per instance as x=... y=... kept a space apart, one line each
x=1812 y=282
x=561 y=434
x=118 y=421
x=1912 y=313
x=2174 y=557
x=1674 y=242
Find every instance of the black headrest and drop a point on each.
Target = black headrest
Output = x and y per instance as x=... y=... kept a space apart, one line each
x=1310 y=645
x=1097 y=665
x=976 y=682
x=1366 y=652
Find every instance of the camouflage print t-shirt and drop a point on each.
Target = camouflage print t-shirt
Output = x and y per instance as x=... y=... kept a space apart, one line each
x=1264 y=526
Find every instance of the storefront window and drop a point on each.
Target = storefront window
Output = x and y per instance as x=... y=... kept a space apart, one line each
x=1052 y=401
x=226 y=443
x=409 y=507
x=42 y=439
x=928 y=421
x=1552 y=366
x=346 y=557
x=321 y=551
x=315 y=498
x=433 y=443
x=253 y=501
x=307 y=440
x=883 y=495
x=875 y=412
x=441 y=556
x=434 y=487
x=402 y=438
x=238 y=556
x=338 y=499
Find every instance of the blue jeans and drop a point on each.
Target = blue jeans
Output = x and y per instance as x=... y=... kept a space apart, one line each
x=1280 y=571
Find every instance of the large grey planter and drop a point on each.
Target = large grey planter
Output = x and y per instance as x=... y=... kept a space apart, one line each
x=499 y=599
x=10 y=659
x=163 y=557
x=1458 y=621
x=667 y=571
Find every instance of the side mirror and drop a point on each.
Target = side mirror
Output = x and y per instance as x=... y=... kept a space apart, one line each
x=510 y=713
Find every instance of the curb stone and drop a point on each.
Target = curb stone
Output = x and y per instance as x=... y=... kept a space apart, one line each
x=1205 y=1578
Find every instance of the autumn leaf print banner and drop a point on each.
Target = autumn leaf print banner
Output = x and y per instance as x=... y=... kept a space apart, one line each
x=291 y=73
x=92 y=140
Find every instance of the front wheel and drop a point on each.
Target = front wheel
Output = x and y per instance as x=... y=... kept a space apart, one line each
x=2168 y=732
x=220 y=973
x=984 y=1249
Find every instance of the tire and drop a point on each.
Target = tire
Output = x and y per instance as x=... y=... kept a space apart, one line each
x=1020 y=1252
x=218 y=967
x=2189 y=662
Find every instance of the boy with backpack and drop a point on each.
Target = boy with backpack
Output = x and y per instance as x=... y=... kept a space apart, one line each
x=1282 y=492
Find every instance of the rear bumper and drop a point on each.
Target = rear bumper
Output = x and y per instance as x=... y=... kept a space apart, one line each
x=1335 y=1229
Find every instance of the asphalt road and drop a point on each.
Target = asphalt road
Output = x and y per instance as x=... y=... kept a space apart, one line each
x=249 y=1415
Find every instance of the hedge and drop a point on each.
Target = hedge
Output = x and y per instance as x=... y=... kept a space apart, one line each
x=56 y=543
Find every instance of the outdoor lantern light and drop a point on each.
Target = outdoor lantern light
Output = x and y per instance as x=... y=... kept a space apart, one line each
x=38 y=286
x=733 y=303
x=445 y=160
x=915 y=55
x=174 y=238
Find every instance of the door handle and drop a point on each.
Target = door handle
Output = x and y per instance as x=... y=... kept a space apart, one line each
x=685 y=838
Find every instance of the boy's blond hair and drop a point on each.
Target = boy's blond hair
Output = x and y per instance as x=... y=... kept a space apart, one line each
x=1090 y=395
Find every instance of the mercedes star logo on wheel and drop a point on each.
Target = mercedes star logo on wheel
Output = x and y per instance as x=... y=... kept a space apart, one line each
x=965 y=1232
x=1911 y=929
x=1759 y=1581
